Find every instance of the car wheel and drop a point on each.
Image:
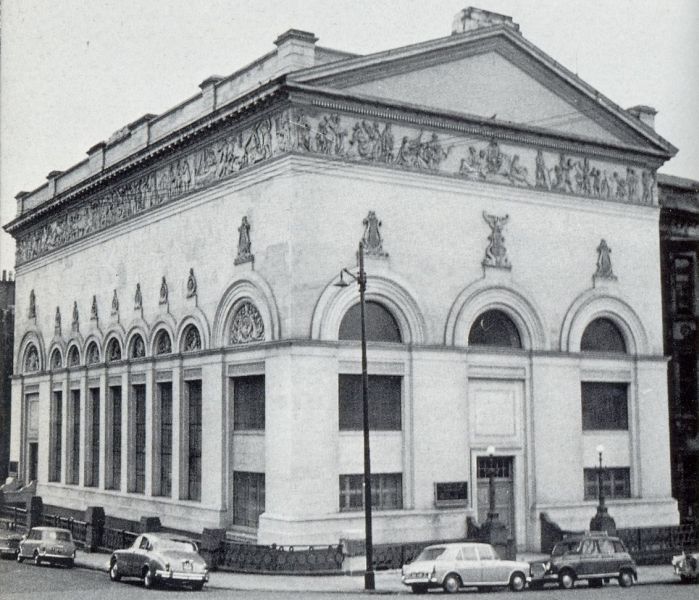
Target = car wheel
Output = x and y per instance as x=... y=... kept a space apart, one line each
x=596 y=583
x=418 y=588
x=451 y=583
x=70 y=564
x=114 y=574
x=148 y=579
x=566 y=580
x=517 y=582
x=37 y=558
x=625 y=579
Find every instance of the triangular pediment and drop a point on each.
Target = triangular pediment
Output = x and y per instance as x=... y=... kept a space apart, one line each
x=492 y=74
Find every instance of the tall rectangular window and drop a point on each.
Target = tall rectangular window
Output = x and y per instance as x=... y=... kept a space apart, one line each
x=249 y=402
x=75 y=437
x=384 y=402
x=616 y=483
x=114 y=415
x=56 y=434
x=139 y=399
x=165 y=434
x=92 y=473
x=248 y=498
x=604 y=406
x=194 y=440
x=386 y=491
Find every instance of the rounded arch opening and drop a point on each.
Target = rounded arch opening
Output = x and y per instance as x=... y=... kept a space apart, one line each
x=380 y=324
x=162 y=343
x=31 y=362
x=191 y=339
x=603 y=335
x=113 y=350
x=92 y=354
x=56 y=360
x=73 y=356
x=496 y=329
x=137 y=346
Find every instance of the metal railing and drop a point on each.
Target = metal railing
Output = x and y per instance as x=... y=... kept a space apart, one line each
x=657 y=545
x=13 y=517
x=115 y=539
x=77 y=528
x=251 y=558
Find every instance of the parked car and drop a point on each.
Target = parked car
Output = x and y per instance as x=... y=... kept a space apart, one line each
x=456 y=565
x=48 y=544
x=9 y=543
x=594 y=557
x=160 y=558
x=686 y=565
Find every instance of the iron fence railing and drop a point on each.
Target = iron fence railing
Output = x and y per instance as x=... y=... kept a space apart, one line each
x=251 y=558
x=115 y=539
x=76 y=527
x=657 y=545
x=13 y=517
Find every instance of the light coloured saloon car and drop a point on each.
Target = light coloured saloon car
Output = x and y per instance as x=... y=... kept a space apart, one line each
x=47 y=545
x=467 y=564
x=160 y=558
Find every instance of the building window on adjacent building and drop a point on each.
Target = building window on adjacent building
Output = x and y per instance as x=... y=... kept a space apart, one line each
x=114 y=449
x=138 y=417
x=384 y=402
x=248 y=498
x=194 y=440
x=74 y=449
x=494 y=328
x=249 y=402
x=682 y=284
x=380 y=324
x=604 y=406
x=616 y=483
x=92 y=442
x=56 y=434
x=602 y=335
x=164 y=398
x=386 y=491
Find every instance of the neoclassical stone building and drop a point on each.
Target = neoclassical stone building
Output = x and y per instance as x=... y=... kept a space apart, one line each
x=181 y=348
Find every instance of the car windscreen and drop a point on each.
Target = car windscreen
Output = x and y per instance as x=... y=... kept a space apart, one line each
x=174 y=545
x=60 y=536
x=562 y=547
x=431 y=553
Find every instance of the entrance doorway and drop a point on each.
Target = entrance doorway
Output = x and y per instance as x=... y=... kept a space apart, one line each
x=33 y=461
x=503 y=481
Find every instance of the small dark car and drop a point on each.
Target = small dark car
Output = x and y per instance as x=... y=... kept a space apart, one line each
x=9 y=543
x=160 y=558
x=48 y=544
x=594 y=557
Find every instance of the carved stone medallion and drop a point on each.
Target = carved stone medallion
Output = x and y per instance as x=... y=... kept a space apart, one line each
x=246 y=325
x=191 y=284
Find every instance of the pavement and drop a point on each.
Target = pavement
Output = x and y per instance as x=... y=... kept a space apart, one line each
x=387 y=582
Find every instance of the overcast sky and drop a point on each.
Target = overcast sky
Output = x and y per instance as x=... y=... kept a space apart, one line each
x=74 y=71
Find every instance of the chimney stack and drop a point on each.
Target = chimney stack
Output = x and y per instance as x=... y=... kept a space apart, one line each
x=295 y=50
x=472 y=18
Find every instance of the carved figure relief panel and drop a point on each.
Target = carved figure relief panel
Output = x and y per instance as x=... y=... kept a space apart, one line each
x=496 y=253
x=351 y=138
x=246 y=325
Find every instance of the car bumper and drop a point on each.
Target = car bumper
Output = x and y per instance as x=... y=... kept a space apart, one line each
x=56 y=557
x=182 y=576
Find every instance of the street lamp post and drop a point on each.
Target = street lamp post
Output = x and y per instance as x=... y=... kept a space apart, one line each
x=602 y=521
x=491 y=483
x=360 y=278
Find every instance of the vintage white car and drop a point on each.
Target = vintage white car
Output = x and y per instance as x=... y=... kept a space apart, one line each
x=160 y=558
x=456 y=565
x=686 y=565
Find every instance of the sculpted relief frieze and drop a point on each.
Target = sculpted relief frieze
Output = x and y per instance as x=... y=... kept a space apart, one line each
x=348 y=138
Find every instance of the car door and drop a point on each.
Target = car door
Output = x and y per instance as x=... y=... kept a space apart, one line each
x=31 y=543
x=468 y=565
x=589 y=558
x=609 y=559
x=128 y=560
x=493 y=570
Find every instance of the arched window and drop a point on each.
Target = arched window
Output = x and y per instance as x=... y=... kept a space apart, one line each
x=191 y=340
x=73 y=356
x=163 y=343
x=246 y=326
x=31 y=359
x=379 y=322
x=602 y=335
x=494 y=328
x=138 y=347
x=56 y=360
x=93 y=354
x=113 y=350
